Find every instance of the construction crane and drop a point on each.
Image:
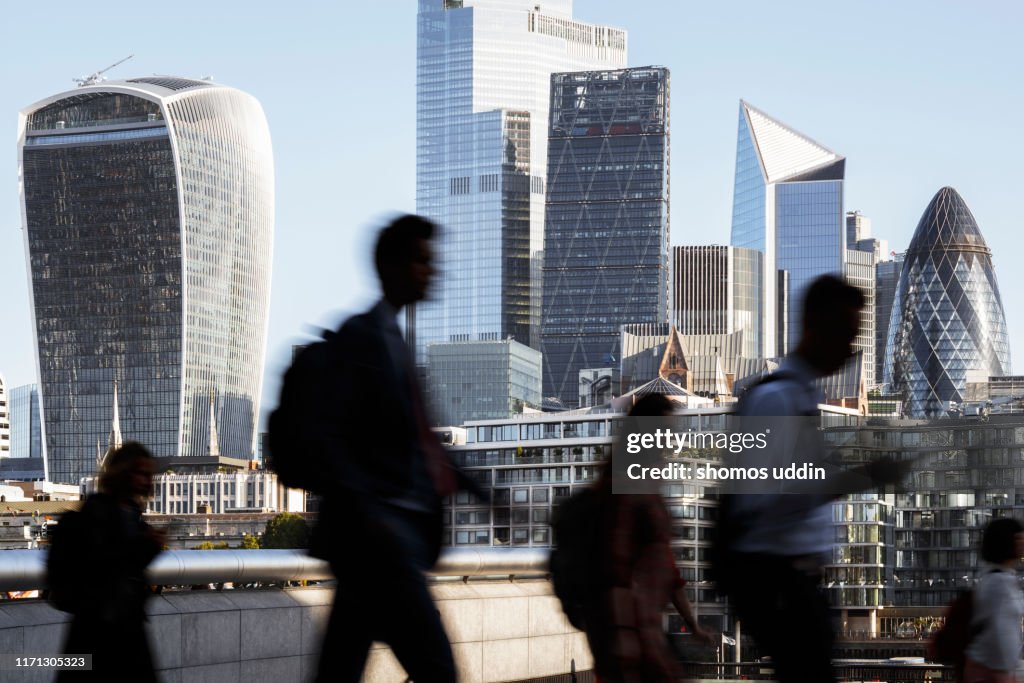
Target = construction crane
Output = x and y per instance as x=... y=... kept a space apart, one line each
x=95 y=78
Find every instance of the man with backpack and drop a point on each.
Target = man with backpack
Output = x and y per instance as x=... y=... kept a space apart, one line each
x=354 y=406
x=772 y=547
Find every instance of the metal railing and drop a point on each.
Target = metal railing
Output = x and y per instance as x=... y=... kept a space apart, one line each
x=845 y=670
x=26 y=569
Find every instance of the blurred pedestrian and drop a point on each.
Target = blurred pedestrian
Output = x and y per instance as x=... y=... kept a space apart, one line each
x=993 y=653
x=114 y=546
x=773 y=544
x=624 y=623
x=380 y=523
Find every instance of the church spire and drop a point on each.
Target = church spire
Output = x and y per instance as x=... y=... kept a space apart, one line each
x=214 y=441
x=115 y=440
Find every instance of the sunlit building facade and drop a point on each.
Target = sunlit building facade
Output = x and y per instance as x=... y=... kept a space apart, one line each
x=148 y=208
x=5 y=420
x=859 y=271
x=787 y=204
x=26 y=425
x=476 y=380
x=717 y=290
x=947 y=316
x=482 y=88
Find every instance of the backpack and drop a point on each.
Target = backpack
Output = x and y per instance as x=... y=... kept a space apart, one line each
x=295 y=454
x=575 y=561
x=67 y=578
x=949 y=644
x=731 y=523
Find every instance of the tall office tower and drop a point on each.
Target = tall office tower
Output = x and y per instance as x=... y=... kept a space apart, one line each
x=483 y=76
x=787 y=204
x=887 y=275
x=859 y=271
x=717 y=290
x=606 y=233
x=148 y=207
x=858 y=227
x=26 y=425
x=5 y=420
x=864 y=252
x=947 y=317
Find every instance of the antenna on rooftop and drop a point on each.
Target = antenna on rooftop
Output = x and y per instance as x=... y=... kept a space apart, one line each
x=94 y=78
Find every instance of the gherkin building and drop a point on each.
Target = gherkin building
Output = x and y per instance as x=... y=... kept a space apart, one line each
x=947 y=317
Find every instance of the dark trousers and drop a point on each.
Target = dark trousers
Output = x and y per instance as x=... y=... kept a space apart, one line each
x=120 y=650
x=782 y=606
x=382 y=596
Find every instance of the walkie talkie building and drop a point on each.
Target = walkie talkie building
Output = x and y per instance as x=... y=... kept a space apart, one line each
x=148 y=213
x=947 y=316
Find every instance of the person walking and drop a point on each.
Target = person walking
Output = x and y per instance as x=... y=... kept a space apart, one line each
x=623 y=622
x=773 y=544
x=380 y=522
x=993 y=653
x=114 y=546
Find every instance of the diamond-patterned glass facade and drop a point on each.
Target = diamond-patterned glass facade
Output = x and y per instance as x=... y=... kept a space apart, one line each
x=947 y=315
x=607 y=230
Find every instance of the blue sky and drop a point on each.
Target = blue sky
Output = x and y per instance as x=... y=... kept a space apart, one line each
x=916 y=95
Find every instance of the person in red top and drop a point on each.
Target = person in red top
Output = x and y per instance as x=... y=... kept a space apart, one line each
x=624 y=625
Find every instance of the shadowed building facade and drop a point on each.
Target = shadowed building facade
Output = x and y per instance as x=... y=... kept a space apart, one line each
x=947 y=316
x=148 y=209
x=606 y=233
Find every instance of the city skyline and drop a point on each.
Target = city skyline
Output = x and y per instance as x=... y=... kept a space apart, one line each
x=885 y=121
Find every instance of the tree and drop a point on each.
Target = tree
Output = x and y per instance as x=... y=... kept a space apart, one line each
x=209 y=545
x=249 y=542
x=286 y=530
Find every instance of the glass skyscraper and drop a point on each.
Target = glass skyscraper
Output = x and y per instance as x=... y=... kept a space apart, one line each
x=482 y=88
x=788 y=204
x=482 y=380
x=887 y=276
x=606 y=233
x=859 y=271
x=947 y=316
x=26 y=426
x=149 y=214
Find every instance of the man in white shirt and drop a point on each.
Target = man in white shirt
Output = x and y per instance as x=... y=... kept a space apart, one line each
x=779 y=539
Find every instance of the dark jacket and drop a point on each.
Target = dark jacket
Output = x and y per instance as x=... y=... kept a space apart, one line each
x=370 y=425
x=110 y=624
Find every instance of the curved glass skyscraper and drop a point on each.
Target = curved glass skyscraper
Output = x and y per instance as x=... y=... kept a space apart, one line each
x=148 y=207
x=947 y=316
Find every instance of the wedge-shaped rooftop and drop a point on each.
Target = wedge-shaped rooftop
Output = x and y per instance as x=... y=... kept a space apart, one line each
x=786 y=154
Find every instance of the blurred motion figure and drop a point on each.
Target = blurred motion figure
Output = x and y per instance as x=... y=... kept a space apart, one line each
x=380 y=523
x=97 y=569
